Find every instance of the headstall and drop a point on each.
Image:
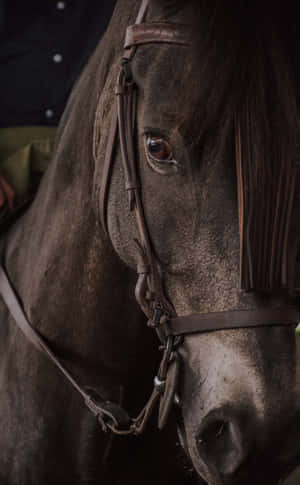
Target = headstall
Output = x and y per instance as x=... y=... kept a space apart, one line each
x=149 y=289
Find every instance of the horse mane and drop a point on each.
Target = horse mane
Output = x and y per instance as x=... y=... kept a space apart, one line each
x=247 y=85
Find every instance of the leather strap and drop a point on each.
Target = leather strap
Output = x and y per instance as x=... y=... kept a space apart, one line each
x=142 y=11
x=149 y=283
x=105 y=411
x=126 y=94
x=111 y=416
x=156 y=32
x=107 y=169
x=211 y=322
x=112 y=136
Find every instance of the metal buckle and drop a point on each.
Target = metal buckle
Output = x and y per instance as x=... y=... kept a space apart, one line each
x=158 y=313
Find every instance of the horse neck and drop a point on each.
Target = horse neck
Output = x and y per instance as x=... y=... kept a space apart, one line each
x=73 y=287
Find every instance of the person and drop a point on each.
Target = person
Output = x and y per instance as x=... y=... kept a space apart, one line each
x=43 y=48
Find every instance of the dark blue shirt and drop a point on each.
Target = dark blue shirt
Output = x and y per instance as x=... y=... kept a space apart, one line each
x=44 y=46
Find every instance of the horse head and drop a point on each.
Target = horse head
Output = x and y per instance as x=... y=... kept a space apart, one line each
x=238 y=394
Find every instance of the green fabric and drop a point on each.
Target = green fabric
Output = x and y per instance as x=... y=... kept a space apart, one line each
x=25 y=153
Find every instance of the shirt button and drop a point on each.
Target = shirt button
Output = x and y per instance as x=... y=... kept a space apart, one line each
x=61 y=5
x=57 y=58
x=49 y=113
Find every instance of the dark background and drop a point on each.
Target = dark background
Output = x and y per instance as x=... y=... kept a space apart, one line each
x=44 y=46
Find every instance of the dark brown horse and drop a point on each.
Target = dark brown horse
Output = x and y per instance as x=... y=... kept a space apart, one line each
x=239 y=405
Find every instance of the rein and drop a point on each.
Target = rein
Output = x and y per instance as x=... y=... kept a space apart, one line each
x=149 y=289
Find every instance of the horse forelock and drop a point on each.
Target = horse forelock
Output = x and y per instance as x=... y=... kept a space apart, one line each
x=244 y=78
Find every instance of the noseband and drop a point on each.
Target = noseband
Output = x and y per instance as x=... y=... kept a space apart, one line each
x=149 y=289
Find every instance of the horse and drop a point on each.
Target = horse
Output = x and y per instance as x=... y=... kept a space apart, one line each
x=196 y=95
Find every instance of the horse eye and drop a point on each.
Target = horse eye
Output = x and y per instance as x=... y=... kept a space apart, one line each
x=159 y=150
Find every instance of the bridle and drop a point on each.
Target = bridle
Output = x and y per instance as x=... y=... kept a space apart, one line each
x=149 y=289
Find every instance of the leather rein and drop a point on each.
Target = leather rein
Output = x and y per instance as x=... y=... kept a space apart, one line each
x=149 y=289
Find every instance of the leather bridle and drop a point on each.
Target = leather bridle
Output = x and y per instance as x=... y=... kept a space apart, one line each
x=149 y=290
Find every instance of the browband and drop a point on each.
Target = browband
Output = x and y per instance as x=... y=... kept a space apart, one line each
x=209 y=322
x=156 y=32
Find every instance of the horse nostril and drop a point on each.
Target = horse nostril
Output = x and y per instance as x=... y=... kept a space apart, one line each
x=220 y=442
x=213 y=438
